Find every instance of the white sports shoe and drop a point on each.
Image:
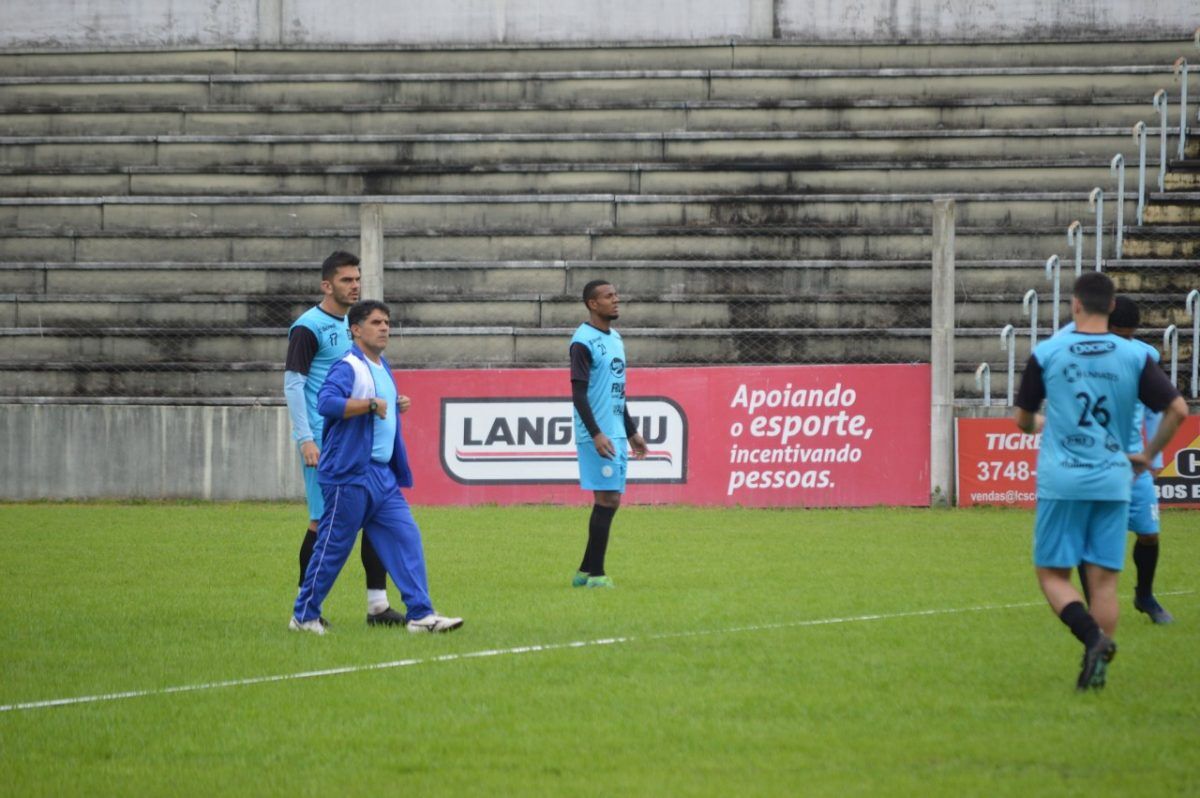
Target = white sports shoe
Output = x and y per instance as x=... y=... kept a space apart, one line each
x=434 y=623
x=315 y=626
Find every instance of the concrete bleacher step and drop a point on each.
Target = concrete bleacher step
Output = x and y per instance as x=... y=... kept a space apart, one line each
x=196 y=382
x=626 y=115
x=153 y=279
x=567 y=213
x=472 y=149
x=733 y=54
x=1176 y=207
x=1172 y=241
x=136 y=348
x=450 y=88
x=711 y=242
x=204 y=313
x=761 y=177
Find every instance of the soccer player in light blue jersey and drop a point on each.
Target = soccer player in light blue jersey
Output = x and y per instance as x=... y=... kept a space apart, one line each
x=1091 y=382
x=317 y=340
x=604 y=431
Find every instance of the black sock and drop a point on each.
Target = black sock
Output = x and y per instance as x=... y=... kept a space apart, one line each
x=597 y=545
x=1146 y=560
x=1083 y=584
x=1081 y=622
x=376 y=573
x=306 y=550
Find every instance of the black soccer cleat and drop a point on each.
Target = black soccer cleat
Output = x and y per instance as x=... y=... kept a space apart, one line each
x=388 y=617
x=1151 y=607
x=1095 y=664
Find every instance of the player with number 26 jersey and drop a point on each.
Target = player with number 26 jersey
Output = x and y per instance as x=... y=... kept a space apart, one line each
x=1088 y=415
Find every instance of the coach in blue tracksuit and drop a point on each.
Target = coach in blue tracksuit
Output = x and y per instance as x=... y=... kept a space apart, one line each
x=362 y=467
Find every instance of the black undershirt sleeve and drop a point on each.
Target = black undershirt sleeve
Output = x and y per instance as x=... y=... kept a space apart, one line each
x=581 y=366
x=1155 y=390
x=630 y=424
x=302 y=348
x=1033 y=390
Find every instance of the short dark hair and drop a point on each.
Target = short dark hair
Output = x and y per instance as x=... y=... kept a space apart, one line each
x=589 y=290
x=1125 y=313
x=360 y=310
x=1095 y=290
x=336 y=261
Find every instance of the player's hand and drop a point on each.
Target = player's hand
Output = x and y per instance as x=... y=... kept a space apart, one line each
x=310 y=453
x=1139 y=461
x=638 y=444
x=604 y=446
x=404 y=403
x=1039 y=424
x=381 y=408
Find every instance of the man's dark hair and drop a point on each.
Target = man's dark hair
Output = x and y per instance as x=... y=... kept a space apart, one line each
x=1095 y=290
x=360 y=310
x=336 y=261
x=589 y=290
x=1125 y=313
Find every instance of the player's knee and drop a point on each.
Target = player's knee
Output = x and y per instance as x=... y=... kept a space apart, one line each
x=608 y=498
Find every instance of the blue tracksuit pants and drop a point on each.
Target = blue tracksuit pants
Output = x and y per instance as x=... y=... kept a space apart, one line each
x=382 y=513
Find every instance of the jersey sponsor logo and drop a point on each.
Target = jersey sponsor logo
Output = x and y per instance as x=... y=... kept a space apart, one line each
x=617 y=366
x=1078 y=442
x=1092 y=348
x=531 y=440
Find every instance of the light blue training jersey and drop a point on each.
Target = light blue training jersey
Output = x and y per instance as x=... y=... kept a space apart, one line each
x=606 y=382
x=385 y=428
x=333 y=342
x=1091 y=387
x=1145 y=420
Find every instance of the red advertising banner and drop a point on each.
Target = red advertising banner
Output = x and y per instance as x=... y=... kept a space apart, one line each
x=997 y=464
x=778 y=436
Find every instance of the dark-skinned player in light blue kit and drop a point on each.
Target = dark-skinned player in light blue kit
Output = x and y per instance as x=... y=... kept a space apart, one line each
x=604 y=431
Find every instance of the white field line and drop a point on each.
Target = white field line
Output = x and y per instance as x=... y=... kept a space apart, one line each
x=500 y=652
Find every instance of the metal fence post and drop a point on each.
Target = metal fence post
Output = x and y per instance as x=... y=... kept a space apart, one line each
x=983 y=381
x=1075 y=239
x=1118 y=166
x=1171 y=344
x=1139 y=135
x=1192 y=305
x=1096 y=202
x=1160 y=105
x=1008 y=342
x=1054 y=275
x=941 y=428
x=1031 y=298
x=1181 y=69
x=370 y=250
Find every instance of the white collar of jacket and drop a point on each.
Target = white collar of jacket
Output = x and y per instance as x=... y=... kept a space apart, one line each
x=364 y=383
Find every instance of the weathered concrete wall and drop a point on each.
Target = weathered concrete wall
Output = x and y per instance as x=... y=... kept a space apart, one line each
x=268 y=23
x=138 y=451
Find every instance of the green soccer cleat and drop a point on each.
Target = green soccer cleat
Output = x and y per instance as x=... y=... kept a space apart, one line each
x=1093 y=674
x=580 y=579
x=600 y=581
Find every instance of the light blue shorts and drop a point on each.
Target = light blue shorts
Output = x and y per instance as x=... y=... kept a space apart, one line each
x=600 y=473
x=1069 y=532
x=1143 y=506
x=312 y=492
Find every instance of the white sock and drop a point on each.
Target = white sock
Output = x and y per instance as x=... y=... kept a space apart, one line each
x=377 y=601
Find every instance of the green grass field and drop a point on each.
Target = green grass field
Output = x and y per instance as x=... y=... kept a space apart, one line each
x=727 y=670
